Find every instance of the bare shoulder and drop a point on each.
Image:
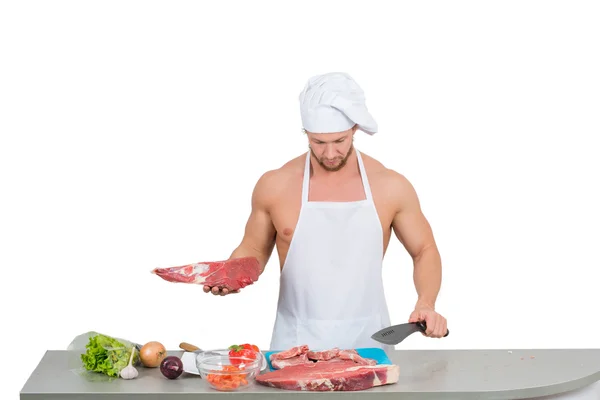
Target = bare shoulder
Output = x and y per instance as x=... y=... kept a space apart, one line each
x=392 y=186
x=273 y=183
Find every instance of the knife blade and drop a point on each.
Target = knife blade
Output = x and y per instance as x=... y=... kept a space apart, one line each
x=397 y=333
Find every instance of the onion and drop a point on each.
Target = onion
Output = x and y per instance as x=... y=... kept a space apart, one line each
x=171 y=367
x=152 y=354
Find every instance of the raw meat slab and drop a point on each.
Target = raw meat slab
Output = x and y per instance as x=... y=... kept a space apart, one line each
x=330 y=376
x=235 y=273
x=374 y=353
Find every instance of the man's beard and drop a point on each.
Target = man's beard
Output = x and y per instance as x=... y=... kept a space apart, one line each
x=342 y=160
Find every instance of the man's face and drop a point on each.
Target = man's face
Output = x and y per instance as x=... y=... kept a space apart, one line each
x=331 y=150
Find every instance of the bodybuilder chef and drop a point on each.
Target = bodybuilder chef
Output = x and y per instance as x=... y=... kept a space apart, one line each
x=331 y=212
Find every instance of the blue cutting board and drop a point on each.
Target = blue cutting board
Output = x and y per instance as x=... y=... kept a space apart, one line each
x=375 y=353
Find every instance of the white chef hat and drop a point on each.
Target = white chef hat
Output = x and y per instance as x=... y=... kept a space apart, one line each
x=334 y=102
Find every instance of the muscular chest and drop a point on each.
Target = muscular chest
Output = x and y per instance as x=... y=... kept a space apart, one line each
x=286 y=212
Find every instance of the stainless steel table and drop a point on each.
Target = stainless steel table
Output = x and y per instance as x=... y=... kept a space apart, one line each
x=424 y=375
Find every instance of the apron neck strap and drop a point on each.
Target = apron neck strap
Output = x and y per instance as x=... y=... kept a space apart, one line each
x=306 y=181
x=363 y=175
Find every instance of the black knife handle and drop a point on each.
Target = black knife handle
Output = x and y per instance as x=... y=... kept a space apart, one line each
x=423 y=327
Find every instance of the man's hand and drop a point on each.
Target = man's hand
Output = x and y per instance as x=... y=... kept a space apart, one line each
x=436 y=324
x=219 y=291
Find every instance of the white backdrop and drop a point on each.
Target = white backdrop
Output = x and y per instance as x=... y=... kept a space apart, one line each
x=132 y=134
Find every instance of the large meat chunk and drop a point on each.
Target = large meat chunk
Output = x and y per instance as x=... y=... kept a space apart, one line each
x=338 y=375
x=232 y=274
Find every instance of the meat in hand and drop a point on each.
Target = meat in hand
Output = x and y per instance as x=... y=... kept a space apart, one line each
x=233 y=274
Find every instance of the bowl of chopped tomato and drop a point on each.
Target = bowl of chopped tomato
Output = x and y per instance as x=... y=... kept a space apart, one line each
x=225 y=371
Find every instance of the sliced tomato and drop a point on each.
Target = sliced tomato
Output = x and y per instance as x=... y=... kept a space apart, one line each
x=250 y=347
x=240 y=351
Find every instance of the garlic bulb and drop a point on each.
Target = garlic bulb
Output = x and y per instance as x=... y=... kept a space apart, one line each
x=129 y=372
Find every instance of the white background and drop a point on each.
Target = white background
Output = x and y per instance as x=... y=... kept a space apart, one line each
x=132 y=134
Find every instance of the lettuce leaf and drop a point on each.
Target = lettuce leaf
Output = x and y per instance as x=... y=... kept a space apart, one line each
x=107 y=355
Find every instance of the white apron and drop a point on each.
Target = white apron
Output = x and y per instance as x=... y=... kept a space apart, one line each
x=331 y=288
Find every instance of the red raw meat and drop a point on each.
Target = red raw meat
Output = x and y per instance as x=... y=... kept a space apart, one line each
x=335 y=359
x=287 y=362
x=302 y=354
x=232 y=274
x=293 y=352
x=343 y=375
x=323 y=355
x=353 y=355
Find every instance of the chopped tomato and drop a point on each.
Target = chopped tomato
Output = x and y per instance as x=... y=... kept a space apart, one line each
x=227 y=381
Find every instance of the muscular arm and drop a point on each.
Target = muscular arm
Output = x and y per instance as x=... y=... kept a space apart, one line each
x=414 y=232
x=259 y=235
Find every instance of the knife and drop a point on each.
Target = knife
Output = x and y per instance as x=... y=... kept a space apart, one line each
x=190 y=347
x=396 y=333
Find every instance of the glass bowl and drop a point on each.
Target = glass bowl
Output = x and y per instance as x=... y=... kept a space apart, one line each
x=226 y=373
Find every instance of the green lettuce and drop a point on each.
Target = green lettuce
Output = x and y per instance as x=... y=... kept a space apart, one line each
x=107 y=355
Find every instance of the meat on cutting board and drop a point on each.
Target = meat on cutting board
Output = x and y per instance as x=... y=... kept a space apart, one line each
x=288 y=362
x=289 y=353
x=234 y=274
x=324 y=355
x=353 y=355
x=302 y=355
x=344 y=375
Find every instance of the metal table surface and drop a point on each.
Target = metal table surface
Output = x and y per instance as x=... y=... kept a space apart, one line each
x=424 y=375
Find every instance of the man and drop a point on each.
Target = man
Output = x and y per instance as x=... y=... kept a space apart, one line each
x=330 y=212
